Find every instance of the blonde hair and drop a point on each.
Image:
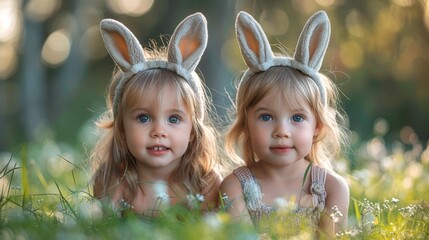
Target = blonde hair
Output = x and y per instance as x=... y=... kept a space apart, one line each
x=297 y=89
x=111 y=158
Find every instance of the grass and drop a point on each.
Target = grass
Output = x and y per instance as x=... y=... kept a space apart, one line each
x=44 y=195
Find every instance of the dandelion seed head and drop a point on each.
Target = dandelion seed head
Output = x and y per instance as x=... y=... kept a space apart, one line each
x=161 y=190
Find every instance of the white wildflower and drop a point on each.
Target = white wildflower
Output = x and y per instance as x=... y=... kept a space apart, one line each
x=161 y=191
x=199 y=197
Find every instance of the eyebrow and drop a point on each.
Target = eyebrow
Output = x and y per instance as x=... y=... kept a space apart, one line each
x=172 y=110
x=262 y=108
x=268 y=109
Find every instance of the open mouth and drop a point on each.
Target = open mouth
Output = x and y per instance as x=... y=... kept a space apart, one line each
x=158 y=148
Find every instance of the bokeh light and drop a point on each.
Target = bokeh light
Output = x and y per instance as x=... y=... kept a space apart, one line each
x=408 y=135
x=230 y=55
x=353 y=24
x=304 y=6
x=351 y=54
x=56 y=48
x=40 y=10
x=426 y=14
x=9 y=60
x=381 y=126
x=325 y=3
x=10 y=23
x=405 y=62
x=404 y=3
x=91 y=44
x=275 y=22
x=10 y=31
x=133 y=8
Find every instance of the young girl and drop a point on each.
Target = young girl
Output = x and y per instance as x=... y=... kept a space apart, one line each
x=159 y=145
x=286 y=126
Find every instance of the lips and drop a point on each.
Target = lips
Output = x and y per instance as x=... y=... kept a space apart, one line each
x=281 y=149
x=158 y=150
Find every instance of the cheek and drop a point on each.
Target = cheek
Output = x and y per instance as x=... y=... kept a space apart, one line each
x=258 y=137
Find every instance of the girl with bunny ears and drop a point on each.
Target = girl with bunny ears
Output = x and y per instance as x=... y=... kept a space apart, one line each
x=287 y=130
x=158 y=145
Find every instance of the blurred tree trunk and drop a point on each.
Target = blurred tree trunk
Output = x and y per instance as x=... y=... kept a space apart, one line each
x=71 y=74
x=33 y=82
x=221 y=18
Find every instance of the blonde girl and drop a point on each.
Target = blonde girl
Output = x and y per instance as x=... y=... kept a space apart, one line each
x=287 y=131
x=159 y=145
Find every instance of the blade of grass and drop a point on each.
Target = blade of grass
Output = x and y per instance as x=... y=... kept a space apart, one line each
x=66 y=203
x=74 y=165
x=222 y=204
x=24 y=175
x=357 y=212
x=39 y=174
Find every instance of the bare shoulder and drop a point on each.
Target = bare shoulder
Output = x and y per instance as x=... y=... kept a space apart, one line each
x=337 y=199
x=232 y=193
x=337 y=195
x=231 y=185
x=336 y=184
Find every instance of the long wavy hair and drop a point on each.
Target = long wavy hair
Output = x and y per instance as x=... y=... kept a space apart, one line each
x=112 y=161
x=297 y=89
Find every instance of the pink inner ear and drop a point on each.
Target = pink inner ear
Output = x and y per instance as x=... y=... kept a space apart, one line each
x=252 y=42
x=314 y=41
x=188 y=46
x=121 y=45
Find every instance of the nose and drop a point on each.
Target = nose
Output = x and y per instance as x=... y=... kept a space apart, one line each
x=158 y=130
x=282 y=130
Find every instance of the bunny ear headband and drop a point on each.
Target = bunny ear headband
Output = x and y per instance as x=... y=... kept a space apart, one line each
x=185 y=49
x=309 y=52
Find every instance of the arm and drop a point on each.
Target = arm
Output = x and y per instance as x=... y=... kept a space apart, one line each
x=338 y=195
x=235 y=204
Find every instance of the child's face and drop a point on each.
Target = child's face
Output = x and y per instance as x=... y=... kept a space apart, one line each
x=158 y=132
x=279 y=133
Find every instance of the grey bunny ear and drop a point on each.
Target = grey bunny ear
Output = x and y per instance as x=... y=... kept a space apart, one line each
x=122 y=45
x=313 y=41
x=188 y=42
x=253 y=42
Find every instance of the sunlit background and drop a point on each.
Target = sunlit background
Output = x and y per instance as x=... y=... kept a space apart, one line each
x=54 y=68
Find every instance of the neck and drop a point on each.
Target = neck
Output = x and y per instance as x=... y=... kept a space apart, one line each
x=286 y=173
x=153 y=175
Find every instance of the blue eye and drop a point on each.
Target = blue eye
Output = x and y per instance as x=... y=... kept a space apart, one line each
x=266 y=117
x=297 y=118
x=174 y=119
x=143 y=118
